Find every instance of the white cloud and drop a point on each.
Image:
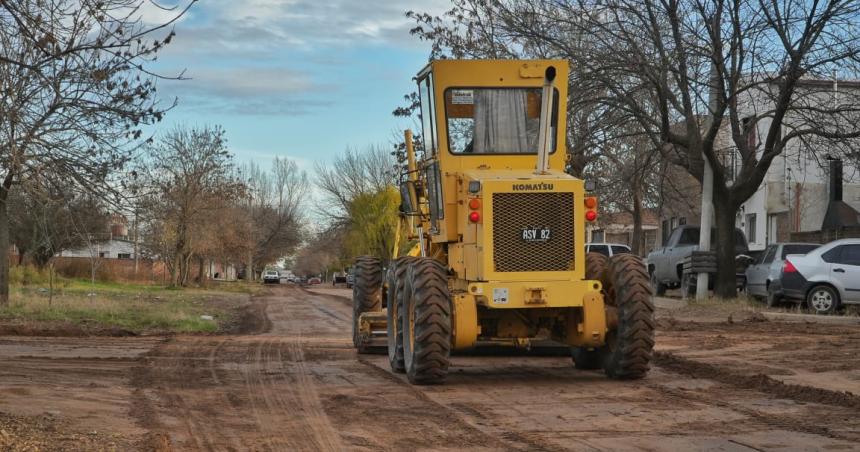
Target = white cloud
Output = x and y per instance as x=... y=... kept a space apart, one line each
x=247 y=91
x=264 y=25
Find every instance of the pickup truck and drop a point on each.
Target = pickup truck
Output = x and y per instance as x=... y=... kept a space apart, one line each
x=664 y=264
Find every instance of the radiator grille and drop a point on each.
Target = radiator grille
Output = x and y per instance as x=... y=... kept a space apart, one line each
x=513 y=212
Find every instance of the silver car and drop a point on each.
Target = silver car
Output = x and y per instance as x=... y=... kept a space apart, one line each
x=764 y=276
x=825 y=278
x=607 y=249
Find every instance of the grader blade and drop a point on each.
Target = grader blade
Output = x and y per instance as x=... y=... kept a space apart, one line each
x=373 y=331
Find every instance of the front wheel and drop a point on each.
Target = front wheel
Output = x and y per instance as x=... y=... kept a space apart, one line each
x=427 y=323
x=630 y=344
x=822 y=299
x=398 y=290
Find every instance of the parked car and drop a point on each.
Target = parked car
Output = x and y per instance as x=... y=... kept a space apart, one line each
x=607 y=249
x=664 y=264
x=350 y=279
x=314 y=281
x=271 y=277
x=764 y=276
x=826 y=278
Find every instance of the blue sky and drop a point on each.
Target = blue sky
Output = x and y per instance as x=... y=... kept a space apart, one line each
x=293 y=78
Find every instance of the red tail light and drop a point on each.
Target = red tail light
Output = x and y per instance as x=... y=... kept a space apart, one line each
x=590 y=215
x=474 y=217
x=788 y=267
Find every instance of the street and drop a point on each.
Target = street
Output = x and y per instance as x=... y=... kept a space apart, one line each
x=295 y=383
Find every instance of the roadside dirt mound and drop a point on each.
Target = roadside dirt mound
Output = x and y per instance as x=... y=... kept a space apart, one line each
x=757 y=382
x=250 y=319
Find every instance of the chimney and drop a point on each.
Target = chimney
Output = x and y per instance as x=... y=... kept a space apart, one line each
x=835 y=179
x=839 y=214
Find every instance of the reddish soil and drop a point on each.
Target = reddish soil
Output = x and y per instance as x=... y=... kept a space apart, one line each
x=288 y=379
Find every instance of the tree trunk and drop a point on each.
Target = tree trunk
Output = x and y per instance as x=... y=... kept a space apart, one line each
x=249 y=270
x=636 y=240
x=176 y=271
x=724 y=212
x=4 y=249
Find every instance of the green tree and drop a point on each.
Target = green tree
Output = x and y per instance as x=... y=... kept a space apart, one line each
x=373 y=223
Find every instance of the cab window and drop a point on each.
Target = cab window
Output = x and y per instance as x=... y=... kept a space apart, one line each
x=496 y=120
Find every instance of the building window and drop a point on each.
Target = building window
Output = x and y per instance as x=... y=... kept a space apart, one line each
x=597 y=236
x=750 y=226
x=682 y=221
x=124 y=256
x=102 y=254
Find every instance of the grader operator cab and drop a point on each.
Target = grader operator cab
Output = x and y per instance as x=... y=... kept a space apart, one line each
x=499 y=231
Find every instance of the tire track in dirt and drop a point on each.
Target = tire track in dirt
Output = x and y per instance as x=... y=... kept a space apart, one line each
x=757 y=382
x=770 y=387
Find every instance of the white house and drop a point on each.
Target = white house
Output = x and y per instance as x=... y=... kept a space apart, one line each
x=794 y=195
x=109 y=249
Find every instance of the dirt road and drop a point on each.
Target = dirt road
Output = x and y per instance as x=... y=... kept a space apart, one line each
x=296 y=384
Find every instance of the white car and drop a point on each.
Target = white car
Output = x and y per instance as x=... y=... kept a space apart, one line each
x=607 y=249
x=826 y=278
x=271 y=277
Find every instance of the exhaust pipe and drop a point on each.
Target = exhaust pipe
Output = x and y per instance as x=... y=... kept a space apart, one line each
x=545 y=137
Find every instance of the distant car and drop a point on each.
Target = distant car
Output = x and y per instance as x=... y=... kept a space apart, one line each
x=607 y=249
x=271 y=277
x=826 y=278
x=764 y=276
x=350 y=279
x=314 y=281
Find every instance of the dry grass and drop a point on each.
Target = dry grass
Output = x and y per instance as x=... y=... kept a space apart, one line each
x=139 y=308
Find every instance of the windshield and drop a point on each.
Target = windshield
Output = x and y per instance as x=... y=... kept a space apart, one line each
x=690 y=236
x=495 y=120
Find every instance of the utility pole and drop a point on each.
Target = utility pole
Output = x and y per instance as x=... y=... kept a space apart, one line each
x=707 y=189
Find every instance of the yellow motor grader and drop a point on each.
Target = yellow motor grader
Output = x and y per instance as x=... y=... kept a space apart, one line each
x=499 y=232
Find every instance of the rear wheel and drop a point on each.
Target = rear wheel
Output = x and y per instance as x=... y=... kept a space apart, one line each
x=583 y=357
x=427 y=322
x=398 y=290
x=366 y=294
x=629 y=346
x=822 y=299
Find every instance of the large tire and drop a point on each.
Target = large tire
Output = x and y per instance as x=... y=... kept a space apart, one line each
x=398 y=290
x=583 y=357
x=629 y=346
x=427 y=323
x=366 y=293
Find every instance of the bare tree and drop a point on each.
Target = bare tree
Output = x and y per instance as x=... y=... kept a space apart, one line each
x=275 y=206
x=74 y=93
x=352 y=174
x=45 y=219
x=190 y=178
